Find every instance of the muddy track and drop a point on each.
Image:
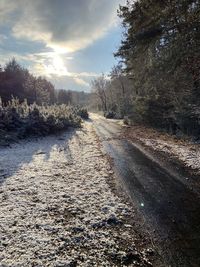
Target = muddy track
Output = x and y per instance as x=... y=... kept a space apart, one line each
x=169 y=205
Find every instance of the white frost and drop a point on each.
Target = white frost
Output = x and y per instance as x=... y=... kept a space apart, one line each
x=54 y=199
x=187 y=153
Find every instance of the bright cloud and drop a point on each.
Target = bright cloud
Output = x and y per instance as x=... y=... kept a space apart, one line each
x=81 y=81
x=55 y=31
x=62 y=24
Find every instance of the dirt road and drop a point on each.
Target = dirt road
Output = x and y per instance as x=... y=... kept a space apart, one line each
x=58 y=209
x=164 y=197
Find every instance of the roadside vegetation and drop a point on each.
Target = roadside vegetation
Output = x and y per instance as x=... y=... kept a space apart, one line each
x=31 y=106
x=157 y=82
x=20 y=120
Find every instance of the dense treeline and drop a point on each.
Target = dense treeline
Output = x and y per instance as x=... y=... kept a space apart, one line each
x=18 y=82
x=158 y=82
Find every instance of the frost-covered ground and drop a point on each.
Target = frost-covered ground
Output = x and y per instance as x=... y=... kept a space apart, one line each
x=57 y=209
x=188 y=153
x=185 y=151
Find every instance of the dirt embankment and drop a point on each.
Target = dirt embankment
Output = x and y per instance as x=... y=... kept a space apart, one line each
x=182 y=150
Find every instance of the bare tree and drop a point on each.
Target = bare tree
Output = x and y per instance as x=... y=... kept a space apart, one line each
x=99 y=87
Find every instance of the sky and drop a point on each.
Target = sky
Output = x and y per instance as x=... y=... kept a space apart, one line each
x=70 y=42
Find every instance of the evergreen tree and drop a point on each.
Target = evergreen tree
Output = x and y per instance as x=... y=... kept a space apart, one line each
x=160 y=52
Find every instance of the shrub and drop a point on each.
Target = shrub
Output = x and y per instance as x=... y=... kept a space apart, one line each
x=112 y=115
x=24 y=120
x=82 y=112
x=109 y=115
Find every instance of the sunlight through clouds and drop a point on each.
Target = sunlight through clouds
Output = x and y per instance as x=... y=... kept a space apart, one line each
x=58 y=34
x=56 y=66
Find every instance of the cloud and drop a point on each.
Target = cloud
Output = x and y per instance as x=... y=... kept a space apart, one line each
x=81 y=82
x=41 y=33
x=62 y=24
x=6 y=8
x=53 y=64
x=70 y=83
x=87 y=74
x=3 y=37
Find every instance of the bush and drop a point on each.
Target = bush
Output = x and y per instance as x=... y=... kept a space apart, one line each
x=112 y=115
x=126 y=120
x=22 y=120
x=109 y=114
x=83 y=113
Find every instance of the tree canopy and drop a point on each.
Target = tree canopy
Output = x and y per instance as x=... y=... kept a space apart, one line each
x=160 y=57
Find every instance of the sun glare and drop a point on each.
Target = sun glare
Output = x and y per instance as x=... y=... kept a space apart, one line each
x=55 y=66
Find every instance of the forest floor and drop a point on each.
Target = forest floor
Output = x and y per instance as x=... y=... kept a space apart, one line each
x=58 y=206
